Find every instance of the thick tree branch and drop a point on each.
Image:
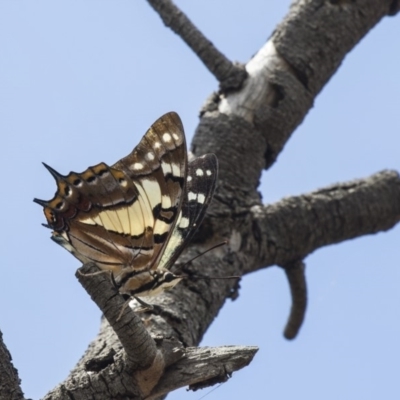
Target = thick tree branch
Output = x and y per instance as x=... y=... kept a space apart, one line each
x=230 y=75
x=295 y=227
x=284 y=77
x=9 y=379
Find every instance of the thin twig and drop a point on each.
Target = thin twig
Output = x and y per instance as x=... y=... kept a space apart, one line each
x=230 y=75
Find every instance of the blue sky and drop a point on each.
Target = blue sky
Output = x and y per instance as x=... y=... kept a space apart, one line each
x=81 y=81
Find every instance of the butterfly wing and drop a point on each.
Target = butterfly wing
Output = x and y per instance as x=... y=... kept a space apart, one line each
x=200 y=186
x=161 y=183
x=123 y=216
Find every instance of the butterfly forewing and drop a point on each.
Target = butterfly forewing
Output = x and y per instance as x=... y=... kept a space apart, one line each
x=200 y=184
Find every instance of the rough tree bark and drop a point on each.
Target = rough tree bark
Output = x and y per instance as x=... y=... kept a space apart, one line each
x=251 y=118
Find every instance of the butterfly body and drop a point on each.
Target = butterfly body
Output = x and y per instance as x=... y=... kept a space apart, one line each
x=135 y=217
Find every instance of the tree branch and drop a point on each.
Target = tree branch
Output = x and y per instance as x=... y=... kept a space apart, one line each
x=295 y=273
x=285 y=75
x=139 y=347
x=286 y=232
x=230 y=75
x=295 y=227
x=109 y=370
x=9 y=380
x=204 y=366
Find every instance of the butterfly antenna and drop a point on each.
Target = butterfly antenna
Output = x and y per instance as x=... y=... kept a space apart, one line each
x=205 y=252
x=202 y=254
x=215 y=388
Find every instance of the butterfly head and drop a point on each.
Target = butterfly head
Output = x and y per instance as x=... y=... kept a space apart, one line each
x=168 y=280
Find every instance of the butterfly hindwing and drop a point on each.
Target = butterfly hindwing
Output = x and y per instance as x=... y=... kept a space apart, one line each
x=123 y=215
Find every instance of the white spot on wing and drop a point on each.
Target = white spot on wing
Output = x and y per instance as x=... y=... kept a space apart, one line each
x=149 y=156
x=157 y=145
x=199 y=172
x=192 y=196
x=201 y=198
x=166 y=168
x=175 y=136
x=176 y=171
x=166 y=137
x=189 y=178
x=184 y=223
x=208 y=172
x=161 y=227
x=166 y=202
x=137 y=166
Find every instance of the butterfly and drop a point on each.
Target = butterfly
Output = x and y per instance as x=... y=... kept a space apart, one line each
x=135 y=218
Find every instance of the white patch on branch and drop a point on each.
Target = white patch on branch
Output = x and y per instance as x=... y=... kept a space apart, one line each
x=256 y=87
x=235 y=241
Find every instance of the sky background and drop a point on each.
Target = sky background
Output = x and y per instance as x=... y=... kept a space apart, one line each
x=81 y=81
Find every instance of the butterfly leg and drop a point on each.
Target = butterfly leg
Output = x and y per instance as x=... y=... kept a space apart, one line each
x=147 y=307
x=93 y=273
